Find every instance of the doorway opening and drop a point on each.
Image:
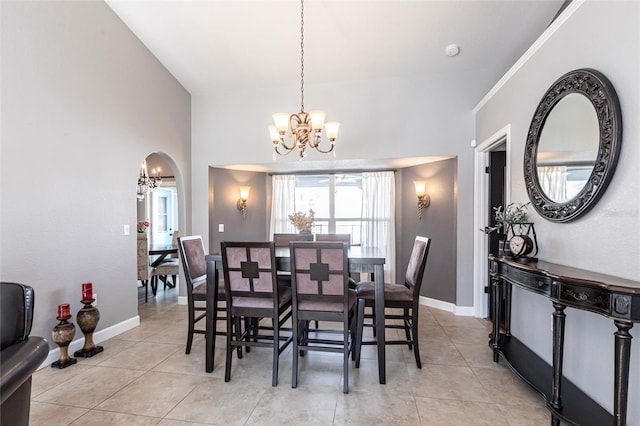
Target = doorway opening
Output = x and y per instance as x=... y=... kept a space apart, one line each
x=159 y=207
x=492 y=187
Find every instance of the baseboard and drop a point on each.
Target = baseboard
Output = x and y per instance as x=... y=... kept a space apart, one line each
x=182 y=300
x=465 y=311
x=98 y=336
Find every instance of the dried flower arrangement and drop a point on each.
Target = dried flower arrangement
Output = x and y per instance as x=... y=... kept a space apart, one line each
x=302 y=221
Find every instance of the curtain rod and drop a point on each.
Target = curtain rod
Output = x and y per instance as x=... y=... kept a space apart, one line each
x=331 y=172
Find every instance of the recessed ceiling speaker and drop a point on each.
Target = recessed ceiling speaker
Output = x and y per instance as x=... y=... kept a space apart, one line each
x=452 y=50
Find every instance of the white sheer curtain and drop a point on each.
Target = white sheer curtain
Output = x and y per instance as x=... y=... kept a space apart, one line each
x=378 y=217
x=283 y=204
x=553 y=181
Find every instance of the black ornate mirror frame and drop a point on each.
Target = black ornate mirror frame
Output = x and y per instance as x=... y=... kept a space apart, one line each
x=597 y=88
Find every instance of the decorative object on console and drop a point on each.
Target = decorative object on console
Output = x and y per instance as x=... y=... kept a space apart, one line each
x=423 y=198
x=242 y=201
x=62 y=334
x=305 y=129
x=567 y=168
x=514 y=213
x=147 y=183
x=88 y=318
x=302 y=221
x=522 y=240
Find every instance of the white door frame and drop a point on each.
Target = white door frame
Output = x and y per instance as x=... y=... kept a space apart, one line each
x=480 y=216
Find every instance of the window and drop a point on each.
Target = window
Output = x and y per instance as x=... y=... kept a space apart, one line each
x=336 y=201
x=360 y=204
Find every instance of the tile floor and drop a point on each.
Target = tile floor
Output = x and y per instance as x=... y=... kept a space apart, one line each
x=143 y=377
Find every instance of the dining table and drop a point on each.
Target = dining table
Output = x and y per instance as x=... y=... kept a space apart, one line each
x=361 y=260
x=162 y=251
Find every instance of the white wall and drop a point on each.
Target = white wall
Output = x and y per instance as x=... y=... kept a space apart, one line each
x=379 y=119
x=604 y=36
x=83 y=103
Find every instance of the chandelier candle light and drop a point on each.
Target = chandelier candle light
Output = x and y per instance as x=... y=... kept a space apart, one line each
x=147 y=183
x=305 y=129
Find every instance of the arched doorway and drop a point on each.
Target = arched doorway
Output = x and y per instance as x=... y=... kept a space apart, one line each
x=163 y=207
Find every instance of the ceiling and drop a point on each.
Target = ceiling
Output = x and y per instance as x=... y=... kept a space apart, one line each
x=216 y=46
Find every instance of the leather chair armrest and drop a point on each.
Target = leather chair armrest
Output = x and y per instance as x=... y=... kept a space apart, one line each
x=18 y=362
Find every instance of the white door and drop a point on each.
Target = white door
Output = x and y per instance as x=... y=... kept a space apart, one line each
x=163 y=217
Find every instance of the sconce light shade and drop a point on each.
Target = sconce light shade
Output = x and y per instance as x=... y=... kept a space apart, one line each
x=423 y=197
x=242 y=201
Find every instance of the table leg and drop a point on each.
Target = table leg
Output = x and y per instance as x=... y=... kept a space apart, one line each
x=496 y=293
x=621 y=379
x=558 y=352
x=380 y=332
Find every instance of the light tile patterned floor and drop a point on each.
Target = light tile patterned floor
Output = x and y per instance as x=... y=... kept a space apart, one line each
x=143 y=377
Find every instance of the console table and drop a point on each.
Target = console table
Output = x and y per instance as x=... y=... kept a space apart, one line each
x=612 y=297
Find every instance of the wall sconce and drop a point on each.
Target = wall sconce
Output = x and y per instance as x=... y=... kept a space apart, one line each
x=242 y=201
x=423 y=197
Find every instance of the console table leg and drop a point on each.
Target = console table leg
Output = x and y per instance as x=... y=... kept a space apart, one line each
x=558 y=352
x=622 y=355
x=496 y=292
x=507 y=309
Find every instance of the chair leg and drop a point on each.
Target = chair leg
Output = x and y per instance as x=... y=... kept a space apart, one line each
x=345 y=358
x=360 y=325
x=295 y=330
x=145 y=283
x=190 y=318
x=276 y=357
x=407 y=325
x=231 y=322
x=414 y=332
x=154 y=284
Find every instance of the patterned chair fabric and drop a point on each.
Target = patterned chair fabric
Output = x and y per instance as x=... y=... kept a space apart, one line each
x=283 y=240
x=143 y=262
x=402 y=296
x=251 y=285
x=320 y=289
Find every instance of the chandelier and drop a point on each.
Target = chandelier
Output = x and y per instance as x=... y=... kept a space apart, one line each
x=304 y=128
x=147 y=183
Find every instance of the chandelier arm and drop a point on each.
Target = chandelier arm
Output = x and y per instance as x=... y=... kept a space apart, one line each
x=286 y=151
x=317 y=147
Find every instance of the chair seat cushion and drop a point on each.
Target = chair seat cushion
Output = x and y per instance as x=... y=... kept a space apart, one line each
x=396 y=292
x=166 y=268
x=324 y=306
x=263 y=302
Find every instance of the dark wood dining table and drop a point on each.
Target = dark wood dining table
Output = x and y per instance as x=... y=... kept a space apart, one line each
x=361 y=260
x=162 y=251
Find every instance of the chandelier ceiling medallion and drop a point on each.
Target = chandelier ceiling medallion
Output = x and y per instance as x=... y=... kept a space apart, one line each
x=304 y=128
x=147 y=183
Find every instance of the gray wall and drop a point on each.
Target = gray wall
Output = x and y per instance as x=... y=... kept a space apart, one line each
x=604 y=36
x=438 y=223
x=225 y=189
x=83 y=103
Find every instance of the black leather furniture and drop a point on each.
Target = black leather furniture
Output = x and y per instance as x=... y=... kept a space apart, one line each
x=20 y=355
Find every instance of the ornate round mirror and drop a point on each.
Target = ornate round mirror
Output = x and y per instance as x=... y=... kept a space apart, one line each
x=572 y=146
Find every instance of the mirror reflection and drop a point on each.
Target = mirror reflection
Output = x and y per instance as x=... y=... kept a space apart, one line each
x=567 y=148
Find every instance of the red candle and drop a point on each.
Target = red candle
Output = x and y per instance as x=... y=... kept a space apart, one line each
x=87 y=291
x=64 y=311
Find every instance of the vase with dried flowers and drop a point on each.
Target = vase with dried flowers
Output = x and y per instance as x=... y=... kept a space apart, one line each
x=143 y=225
x=302 y=221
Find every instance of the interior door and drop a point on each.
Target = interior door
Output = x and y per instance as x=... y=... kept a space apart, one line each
x=496 y=171
x=162 y=214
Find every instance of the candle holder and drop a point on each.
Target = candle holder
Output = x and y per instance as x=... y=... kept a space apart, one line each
x=88 y=318
x=62 y=334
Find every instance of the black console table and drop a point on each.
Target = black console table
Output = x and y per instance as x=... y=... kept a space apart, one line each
x=613 y=297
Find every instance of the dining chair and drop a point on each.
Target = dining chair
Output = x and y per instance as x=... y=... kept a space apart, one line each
x=191 y=252
x=283 y=240
x=253 y=294
x=320 y=292
x=168 y=267
x=345 y=238
x=143 y=262
x=402 y=296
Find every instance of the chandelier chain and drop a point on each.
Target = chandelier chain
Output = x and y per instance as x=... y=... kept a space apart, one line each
x=301 y=55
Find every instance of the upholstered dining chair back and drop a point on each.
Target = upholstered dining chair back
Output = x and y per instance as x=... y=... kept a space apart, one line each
x=283 y=240
x=143 y=262
x=344 y=238
x=320 y=275
x=417 y=263
x=192 y=254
